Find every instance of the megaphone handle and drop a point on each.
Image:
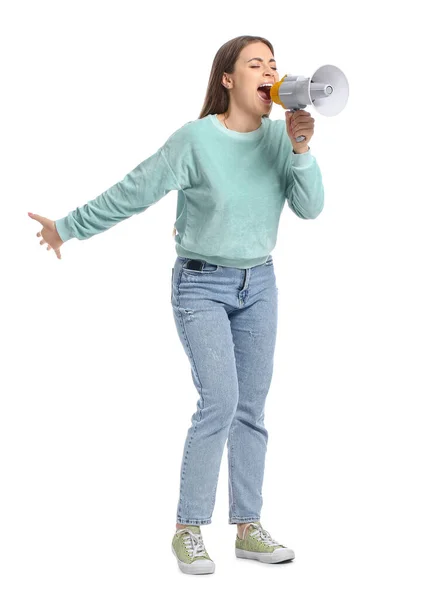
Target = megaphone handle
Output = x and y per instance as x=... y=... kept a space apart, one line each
x=299 y=138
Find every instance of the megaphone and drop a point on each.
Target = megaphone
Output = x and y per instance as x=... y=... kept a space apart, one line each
x=327 y=89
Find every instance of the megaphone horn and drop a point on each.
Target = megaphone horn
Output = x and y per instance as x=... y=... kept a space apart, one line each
x=327 y=89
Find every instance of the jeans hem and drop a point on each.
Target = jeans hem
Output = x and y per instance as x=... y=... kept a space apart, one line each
x=232 y=521
x=194 y=521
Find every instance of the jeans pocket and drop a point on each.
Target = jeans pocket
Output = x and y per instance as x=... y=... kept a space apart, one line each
x=197 y=267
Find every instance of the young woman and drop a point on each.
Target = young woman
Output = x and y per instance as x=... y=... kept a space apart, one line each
x=233 y=168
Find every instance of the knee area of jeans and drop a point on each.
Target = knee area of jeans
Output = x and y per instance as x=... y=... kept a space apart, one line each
x=223 y=415
x=229 y=417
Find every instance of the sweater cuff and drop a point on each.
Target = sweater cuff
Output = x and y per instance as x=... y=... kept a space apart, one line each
x=302 y=160
x=63 y=229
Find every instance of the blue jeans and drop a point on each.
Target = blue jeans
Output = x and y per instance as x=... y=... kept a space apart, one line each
x=226 y=319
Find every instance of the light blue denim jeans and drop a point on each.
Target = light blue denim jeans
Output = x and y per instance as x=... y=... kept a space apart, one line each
x=226 y=319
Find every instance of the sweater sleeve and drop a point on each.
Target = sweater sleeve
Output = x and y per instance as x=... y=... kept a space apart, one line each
x=304 y=188
x=145 y=185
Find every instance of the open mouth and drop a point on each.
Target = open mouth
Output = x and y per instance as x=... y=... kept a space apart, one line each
x=264 y=93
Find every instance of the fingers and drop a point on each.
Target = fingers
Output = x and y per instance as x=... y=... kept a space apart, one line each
x=300 y=115
x=296 y=114
x=43 y=241
x=38 y=218
x=301 y=121
x=296 y=129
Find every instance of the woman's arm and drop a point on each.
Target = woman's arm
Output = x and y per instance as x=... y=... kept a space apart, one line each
x=145 y=185
x=304 y=188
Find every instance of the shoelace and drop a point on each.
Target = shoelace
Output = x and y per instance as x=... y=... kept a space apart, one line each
x=261 y=533
x=193 y=542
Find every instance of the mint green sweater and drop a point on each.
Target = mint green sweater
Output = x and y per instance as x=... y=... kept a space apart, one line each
x=231 y=189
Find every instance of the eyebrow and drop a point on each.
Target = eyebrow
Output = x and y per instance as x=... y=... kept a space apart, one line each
x=261 y=59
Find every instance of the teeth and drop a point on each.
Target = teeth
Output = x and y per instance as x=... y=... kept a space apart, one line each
x=267 y=85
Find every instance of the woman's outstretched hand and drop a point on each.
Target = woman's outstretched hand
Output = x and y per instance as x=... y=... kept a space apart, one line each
x=48 y=234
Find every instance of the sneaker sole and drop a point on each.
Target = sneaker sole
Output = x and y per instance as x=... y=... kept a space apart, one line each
x=280 y=555
x=198 y=567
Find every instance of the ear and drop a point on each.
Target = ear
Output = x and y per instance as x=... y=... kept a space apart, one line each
x=225 y=82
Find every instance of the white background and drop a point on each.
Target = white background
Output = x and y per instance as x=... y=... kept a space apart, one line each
x=96 y=390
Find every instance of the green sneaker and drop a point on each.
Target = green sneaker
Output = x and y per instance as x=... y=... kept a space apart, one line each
x=259 y=545
x=190 y=552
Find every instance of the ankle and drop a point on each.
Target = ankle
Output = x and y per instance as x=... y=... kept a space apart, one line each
x=241 y=528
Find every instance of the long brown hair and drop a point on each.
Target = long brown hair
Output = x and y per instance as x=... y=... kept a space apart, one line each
x=217 y=96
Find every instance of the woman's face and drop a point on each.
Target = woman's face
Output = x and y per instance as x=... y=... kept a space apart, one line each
x=254 y=66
